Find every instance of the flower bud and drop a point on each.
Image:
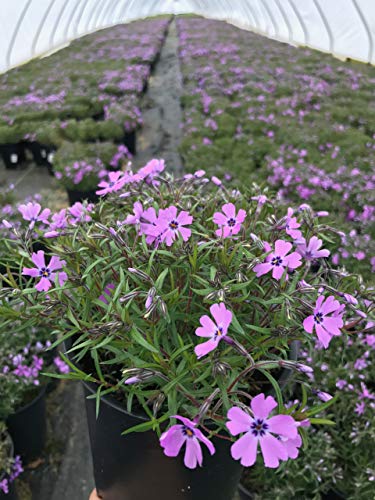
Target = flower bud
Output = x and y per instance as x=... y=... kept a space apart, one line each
x=139 y=273
x=158 y=403
x=220 y=368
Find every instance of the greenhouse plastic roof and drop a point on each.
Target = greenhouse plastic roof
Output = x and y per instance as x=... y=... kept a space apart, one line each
x=30 y=28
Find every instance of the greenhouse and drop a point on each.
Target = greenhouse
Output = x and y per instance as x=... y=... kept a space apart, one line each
x=187 y=257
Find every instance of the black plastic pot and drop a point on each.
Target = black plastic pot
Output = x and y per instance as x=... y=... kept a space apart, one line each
x=244 y=493
x=134 y=467
x=333 y=495
x=42 y=155
x=75 y=195
x=130 y=141
x=12 y=154
x=28 y=428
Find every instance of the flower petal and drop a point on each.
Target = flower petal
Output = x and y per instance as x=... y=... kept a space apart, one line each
x=203 y=349
x=308 y=324
x=262 y=406
x=193 y=453
x=245 y=449
x=239 y=421
x=284 y=425
x=273 y=451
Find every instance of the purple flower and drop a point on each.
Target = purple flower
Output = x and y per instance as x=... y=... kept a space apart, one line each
x=186 y=433
x=229 y=222
x=291 y=225
x=326 y=325
x=61 y=365
x=214 y=331
x=4 y=486
x=107 y=292
x=138 y=212
x=278 y=261
x=116 y=181
x=263 y=430
x=311 y=250
x=32 y=212
x=324 y=396
x=168 y=225
x=46 y=273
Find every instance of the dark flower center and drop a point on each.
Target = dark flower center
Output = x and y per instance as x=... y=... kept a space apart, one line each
x=173 y=225
x=259 y=427
x=44 y=272
x=219 y=332
x=318 y=318
x=186 y=431
x=231 y=222
x=276 y=261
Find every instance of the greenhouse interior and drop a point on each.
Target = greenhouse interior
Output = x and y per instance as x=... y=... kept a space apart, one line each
x=187 y=292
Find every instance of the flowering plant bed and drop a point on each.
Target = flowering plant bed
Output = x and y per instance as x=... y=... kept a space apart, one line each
x=181 y=299
x=259 y=110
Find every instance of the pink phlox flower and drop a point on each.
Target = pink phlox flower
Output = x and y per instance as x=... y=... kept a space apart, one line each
x=149 y=225
x=168 y=226
x=61 y=365
x=116 y=181
x=229 y=222
x=327 y=319
x=33 y=212
x=58 y=222
x=311 y=250
x=292 y=225
x=215 y=331
x=80 y=212
x=136 y=217
x=278 y=261
x=261 y=199
x=46 y=273
x=186 y=433
x=151 y=170
x=272 y=433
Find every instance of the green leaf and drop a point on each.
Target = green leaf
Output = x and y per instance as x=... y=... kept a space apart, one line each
x=276 y=388
x=160 y=280
x=139 y=338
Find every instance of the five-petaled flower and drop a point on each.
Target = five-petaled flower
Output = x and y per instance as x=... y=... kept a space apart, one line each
x=311 y=250
x=229 y=222
x=291 y=225
x=271 y=433
x=167 y=226
x=116 y=181
x=33 y=212
x=326 y=325
x=278 y=261
x=46 y=273
x=214 y=331
x=186 y=433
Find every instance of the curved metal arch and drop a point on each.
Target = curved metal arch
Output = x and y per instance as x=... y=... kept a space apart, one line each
x=70 y=19
x=41 y=24
x=301 y=21
x=53 y=32
x=286 y=19
x=273 y=21
x=257 y=23
x=260 y=4
x=248 y=11
x=15 y=32
x=112 y=18
x=102 y=4
x=123 y=10
x=107 y=12
x=326 y=25
x=76 y=24
x=367 y=29
x=89 y=17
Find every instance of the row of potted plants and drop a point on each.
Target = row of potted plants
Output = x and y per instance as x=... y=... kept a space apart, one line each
x=258 y=110
x=98 y=98
x=180 y=302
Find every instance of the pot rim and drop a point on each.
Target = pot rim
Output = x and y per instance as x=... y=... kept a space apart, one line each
x=244 y=490
x=110 y=401
x=40 y=395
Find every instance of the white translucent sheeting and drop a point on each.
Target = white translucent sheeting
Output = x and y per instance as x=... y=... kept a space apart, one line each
x=344 y=27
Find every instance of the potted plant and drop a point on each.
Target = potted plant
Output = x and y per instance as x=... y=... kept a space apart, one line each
x=10 y=466
x=79 y=167
x=178 y=303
